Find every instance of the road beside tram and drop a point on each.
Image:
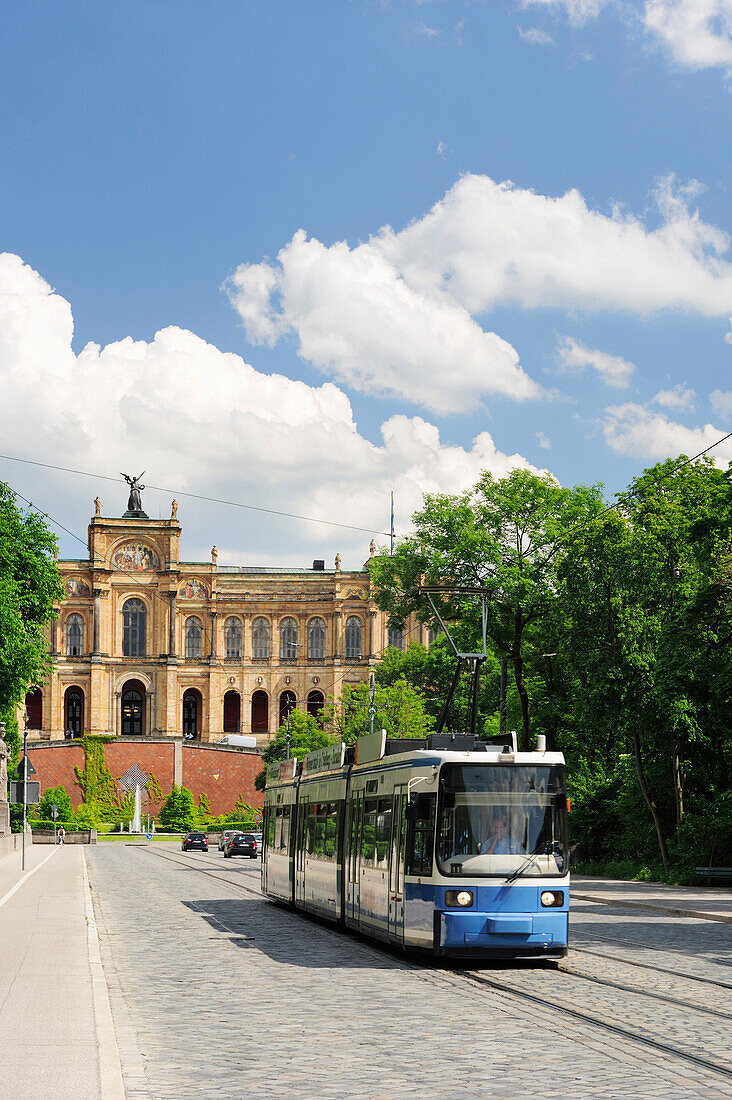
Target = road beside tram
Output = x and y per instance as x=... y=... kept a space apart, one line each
x=216 y=991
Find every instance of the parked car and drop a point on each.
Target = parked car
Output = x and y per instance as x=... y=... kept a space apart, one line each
x=258 y=838
x=241 y=844
x=227 y=833
x=194 y=840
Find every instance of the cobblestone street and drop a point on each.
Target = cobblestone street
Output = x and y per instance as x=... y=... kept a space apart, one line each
x=216 y=991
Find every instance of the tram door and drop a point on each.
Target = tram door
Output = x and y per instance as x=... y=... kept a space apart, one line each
x=299 y=857
x=354 y=857
x=396 y=866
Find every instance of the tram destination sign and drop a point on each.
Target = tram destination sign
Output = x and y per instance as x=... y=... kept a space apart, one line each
x=281 y=770
x=325 y=759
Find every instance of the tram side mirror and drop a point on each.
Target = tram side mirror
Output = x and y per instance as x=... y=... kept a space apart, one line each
x=411 y=810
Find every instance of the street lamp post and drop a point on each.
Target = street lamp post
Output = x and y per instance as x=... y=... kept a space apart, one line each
x=25 y=782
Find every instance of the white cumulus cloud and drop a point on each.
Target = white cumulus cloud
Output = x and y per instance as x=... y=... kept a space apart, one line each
x=721 y=402
x=679 y=397
x=697 y=33
x=640 y=432
x=397 y=314
x=201 y=420
x=578 y=11
x=575 y=356
x=535 y=37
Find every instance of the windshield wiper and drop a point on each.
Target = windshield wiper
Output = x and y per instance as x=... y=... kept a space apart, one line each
x=523 y=866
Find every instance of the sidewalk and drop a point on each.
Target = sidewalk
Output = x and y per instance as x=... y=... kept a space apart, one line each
x=51 y=1014
x=678 y=901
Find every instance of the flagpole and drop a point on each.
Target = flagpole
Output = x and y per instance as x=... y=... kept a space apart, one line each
x=391 y=541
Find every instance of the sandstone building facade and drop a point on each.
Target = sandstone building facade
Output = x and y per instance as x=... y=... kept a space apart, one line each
x=148 y=645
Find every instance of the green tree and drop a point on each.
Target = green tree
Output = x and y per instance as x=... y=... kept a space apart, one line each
x=400 y=710
x=430 y=671
x=649 y=646
x=30 y=590
x=305 y=735
x=55 y=796
x=178 y=813
x=504 y=536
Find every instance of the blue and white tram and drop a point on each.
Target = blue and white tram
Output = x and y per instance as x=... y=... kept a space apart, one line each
x=445 y=844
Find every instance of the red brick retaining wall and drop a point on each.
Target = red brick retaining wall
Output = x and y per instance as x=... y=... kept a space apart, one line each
x=224 y=774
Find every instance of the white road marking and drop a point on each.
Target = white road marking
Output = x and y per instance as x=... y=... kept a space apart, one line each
x=26 y=876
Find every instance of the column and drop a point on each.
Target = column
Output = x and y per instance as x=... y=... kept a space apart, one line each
x=372 y=616
x=171 y=625
x=337 y=637
x=117 y=713
x=214 y=617
x=149 y=699
x=97 y=612
x=54 y=638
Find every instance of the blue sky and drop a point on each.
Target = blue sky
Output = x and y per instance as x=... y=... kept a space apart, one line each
x=159 y=159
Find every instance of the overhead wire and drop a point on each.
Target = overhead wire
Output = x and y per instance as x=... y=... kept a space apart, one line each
x=200 y=496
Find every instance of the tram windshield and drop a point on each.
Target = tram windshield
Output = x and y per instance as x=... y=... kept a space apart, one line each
x=494 y=818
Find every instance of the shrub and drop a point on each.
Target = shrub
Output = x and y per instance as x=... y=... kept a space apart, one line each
x=179 y=811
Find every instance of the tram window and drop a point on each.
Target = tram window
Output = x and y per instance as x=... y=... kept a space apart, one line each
x=383 y=831
x=368 y=832
x=421 y=835
x=270 y=826
x=331 y=829
x=278 y=828
x=319 y=849
x=310 y=831
x=285 y=833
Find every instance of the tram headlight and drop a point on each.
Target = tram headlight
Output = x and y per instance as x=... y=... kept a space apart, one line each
x=459 y=898
x=552 y=898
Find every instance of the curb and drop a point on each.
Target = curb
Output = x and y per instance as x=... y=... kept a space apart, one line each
x=694 y=914
x=110 y=1068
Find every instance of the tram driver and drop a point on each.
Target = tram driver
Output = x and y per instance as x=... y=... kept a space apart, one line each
x=499 y=843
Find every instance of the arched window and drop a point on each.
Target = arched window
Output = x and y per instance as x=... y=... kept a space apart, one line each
x=232 y=637
x=396 y=638
x=232 y=712
x=74 y=635
x=260 y=640
x=133 y=709
x=288 y=702
x=316 y=702
x=260 y=712
x=193 y=637
x=431 y=636
x=316 y=639
x=34 y=710
x=192 y=714
x=353 y=636
x=74 y=708
x=134 y=624
x=288 y=640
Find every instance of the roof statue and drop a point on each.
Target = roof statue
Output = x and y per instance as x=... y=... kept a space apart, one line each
x=134 y=504
x=174 y=509
x=97 y=506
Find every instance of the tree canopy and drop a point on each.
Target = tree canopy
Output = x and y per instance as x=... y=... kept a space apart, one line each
x=30 y=590
x=616 y=624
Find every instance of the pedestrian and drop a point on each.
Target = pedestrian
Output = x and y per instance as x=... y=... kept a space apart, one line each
x=69 y=735
x=61 y=835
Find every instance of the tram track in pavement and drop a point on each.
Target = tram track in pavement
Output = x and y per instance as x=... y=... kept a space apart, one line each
x=624 y=961
x=537 y=999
